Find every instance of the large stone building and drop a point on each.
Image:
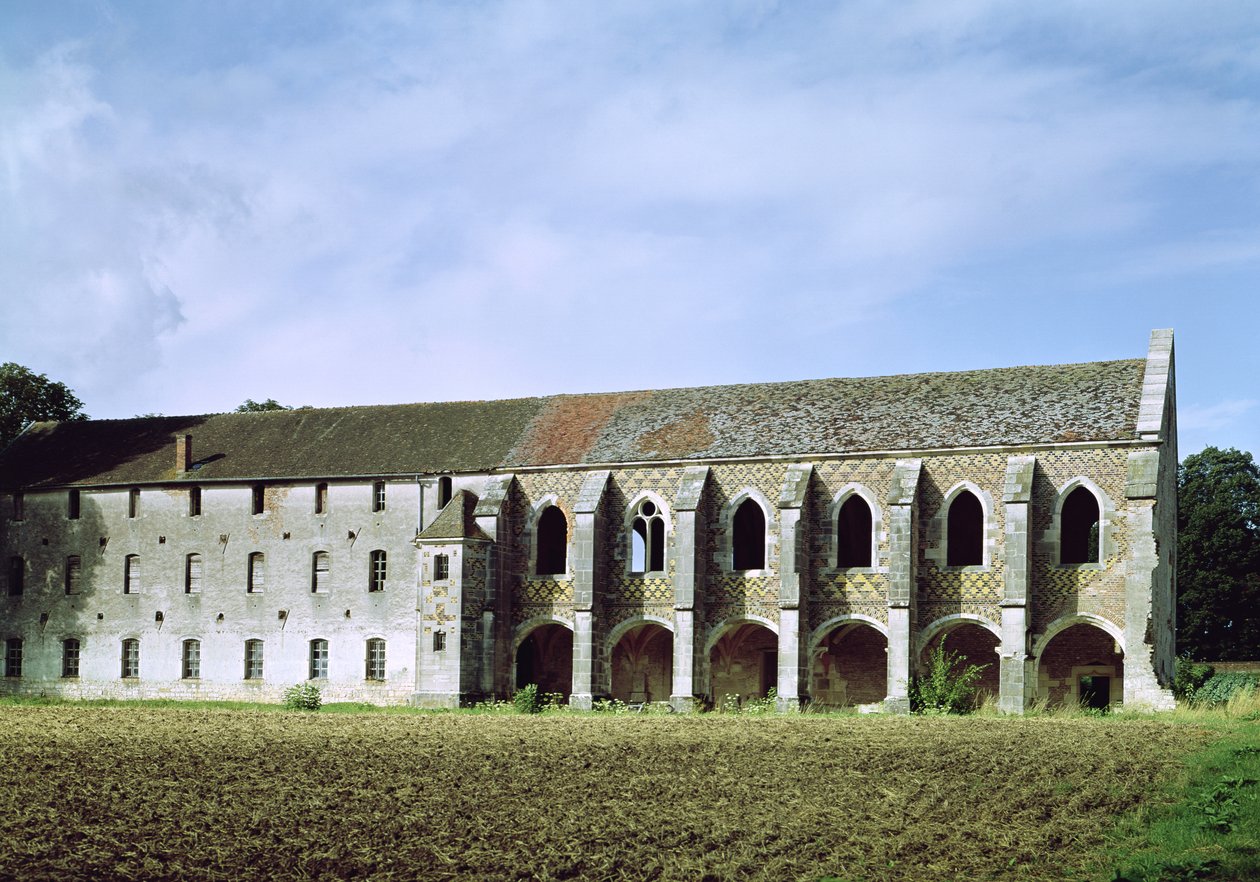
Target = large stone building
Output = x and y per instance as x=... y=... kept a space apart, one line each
x=689 y=545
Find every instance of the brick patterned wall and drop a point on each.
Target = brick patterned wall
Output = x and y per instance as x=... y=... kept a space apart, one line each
x=1078 y=646
x=851 y=667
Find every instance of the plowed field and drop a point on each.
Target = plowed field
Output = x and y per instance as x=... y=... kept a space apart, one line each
x=92 y=792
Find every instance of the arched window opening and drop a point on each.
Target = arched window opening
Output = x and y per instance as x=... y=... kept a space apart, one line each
x=1078 y=536
x=965 y=532
x=749 y=539
x=319 y=572
x=444 y=491
x=853 y=533
x=553 y=541
x=190 y=668
x=647 y=539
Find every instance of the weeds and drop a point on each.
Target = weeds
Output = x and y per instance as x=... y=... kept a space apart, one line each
x=303 y=696
x=948 y=686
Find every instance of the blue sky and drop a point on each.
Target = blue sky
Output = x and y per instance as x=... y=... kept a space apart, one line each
x=356 y=203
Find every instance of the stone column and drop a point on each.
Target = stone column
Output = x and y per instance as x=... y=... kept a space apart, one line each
x=1015 y=678
x=902 y=582
x=491 y=515
x=586 y=574
x=793 y=676
x=688 y=687
x=1143 y=578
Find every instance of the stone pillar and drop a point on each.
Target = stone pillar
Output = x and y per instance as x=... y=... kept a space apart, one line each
x=491 y=515
x=793 y=675
x=902 y=582
x=1143 y=576
x=586 y=575
x=1015 y=679
x=688 y=687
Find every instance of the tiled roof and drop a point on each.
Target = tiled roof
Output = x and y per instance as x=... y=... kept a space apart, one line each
x=456 y=521
x=1096 y=401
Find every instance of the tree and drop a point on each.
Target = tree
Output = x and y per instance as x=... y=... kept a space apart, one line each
x=26 y=397
x=252 y=406
x=1218 y=555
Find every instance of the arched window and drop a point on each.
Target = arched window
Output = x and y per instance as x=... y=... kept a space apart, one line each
x=378 y=569
x=319 y=660
x=1078 y=534
x=375 y=669
x=853 y=533
x=70 y=657
x=647 y=539
x=444 y=491
x=130 y=658
x=319 y=572
x=553 y=542
x=131 y=574
x=965 y=531
x=748 y=539
x=192 y=574
x=257 y=566
x=190 y=667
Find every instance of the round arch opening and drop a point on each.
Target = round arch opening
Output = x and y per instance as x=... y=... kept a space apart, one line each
x=545 y=658
x=850 y=666
x=643 y=664
x=743 y=664
x=974 y=644
x=1081 y=665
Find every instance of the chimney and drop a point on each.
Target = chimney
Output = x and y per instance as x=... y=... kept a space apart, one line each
x=183 y=453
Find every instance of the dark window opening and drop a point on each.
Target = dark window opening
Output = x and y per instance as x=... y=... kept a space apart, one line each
x=13 y=657
x=194 y=502
x=253 y=659
x=257 y=579
x=965 y=531
x=853 y=533
x=131 y=574
x=647 y=539
x=133 y=502
x=191 y=667
x=131 y=658
x=321 y=498
x=439 y=641
x=441 y=567
x=259 y=498
x=72 y=505
x=553 y=541
x=17 y=576
x=319 y=572
x=749 y=539
x=444 y=491
x=73 y=568
x=378 y=496
x=1078 y=536
x=319 y=660
x=19 y=506
x=192 y=574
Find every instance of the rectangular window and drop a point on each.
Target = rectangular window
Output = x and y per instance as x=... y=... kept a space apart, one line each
x=376 y=571
x=190 y=669
x=72 y=505
x=19 y=506
x=70 y=657
x=319 y=660
x=439 y=641
x=131 y=574
x=259 y=497
x=378 y=496
x=441 y=567
x=133 y=502
x=321 y=498
x=192 y=574
x=253 y=659
x=257 y=563
x=319 y=572
x=131 y=658
x=73 y=568
x=194 y=502
x=376 y=659
x=17 y=576
x=13 y=657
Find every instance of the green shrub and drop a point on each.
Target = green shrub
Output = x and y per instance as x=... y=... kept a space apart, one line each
x=1191 y=675
x=303 y=696
x=527 y=700
x=948 y=687
x=1220 y=688
x=762 y=705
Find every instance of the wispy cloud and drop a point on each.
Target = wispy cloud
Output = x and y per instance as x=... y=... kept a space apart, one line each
x=1221 y=415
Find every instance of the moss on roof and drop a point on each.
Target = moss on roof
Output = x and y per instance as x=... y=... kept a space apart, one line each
x=1096 y=401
